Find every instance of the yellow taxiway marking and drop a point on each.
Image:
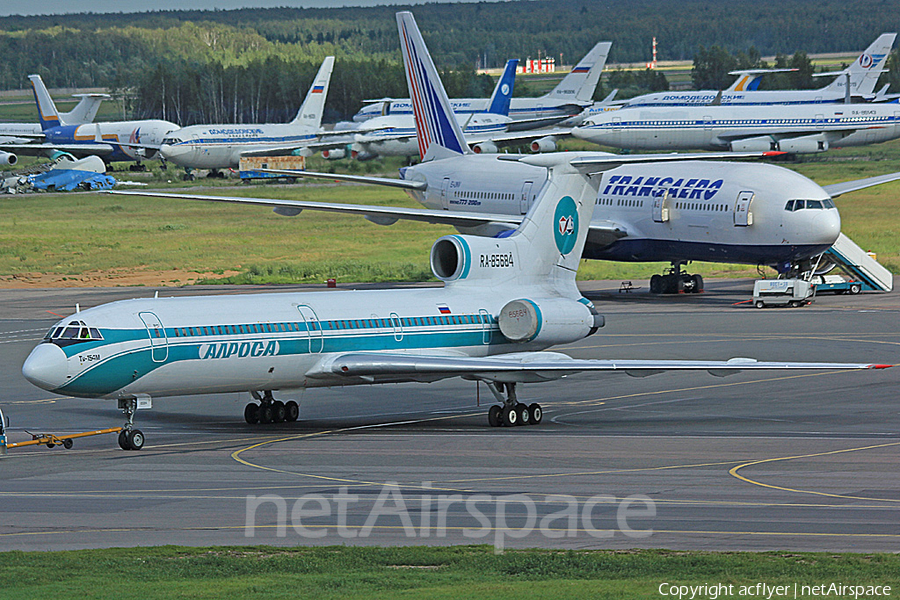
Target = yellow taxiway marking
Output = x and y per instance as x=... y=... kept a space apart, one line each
x=734 y=473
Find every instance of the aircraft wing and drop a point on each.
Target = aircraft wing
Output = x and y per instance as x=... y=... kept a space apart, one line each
x=599 y=232
x=837 y=189
x=512 y=137
x=311 y=146
x=383 y=215
x=385 y=181
x=597 y=162
x=531 y=366
x=75 y=149
x=833 y=135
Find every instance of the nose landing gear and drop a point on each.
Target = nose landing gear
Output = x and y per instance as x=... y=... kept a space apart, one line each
x=676 y=281
x=270 y=410
x=130 y=438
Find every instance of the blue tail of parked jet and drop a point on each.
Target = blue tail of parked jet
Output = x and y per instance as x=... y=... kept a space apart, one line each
x=47 y=113
x=438 y=131
x=499 y=104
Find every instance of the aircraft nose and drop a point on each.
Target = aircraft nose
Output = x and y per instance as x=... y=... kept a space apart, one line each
x=173 y=153
x=46 y=367
x=826 y=226
x=586 y=132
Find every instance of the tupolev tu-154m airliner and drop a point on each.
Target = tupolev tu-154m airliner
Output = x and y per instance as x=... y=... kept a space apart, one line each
x=504 y=302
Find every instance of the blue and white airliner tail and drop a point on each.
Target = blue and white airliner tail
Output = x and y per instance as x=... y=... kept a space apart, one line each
x=864 y=72
x=47 y=113
x=435 y=122
x=500 y=99
x=310 y=114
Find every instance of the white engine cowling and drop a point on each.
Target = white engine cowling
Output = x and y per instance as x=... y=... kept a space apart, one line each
x=762 y=143
x=334 y=154
x=808 y=144
x=548 y=321
x=7 y=158
x=544 y=144
x=485 y=148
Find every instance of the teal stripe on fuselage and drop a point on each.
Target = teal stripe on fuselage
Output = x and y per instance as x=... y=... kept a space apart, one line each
x=128 y=366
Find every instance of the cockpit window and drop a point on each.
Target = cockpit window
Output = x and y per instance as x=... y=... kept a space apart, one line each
x=793 y=205
x=171 y=141
x=74 y=332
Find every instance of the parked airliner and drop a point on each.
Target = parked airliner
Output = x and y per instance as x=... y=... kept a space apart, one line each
x=83 y=112
x=665 y=207
x=222 y=146
x=504 y=302
x=395 y=135
x=799 y=128
x=569 y=97
x=112 y=141
x=862 y=76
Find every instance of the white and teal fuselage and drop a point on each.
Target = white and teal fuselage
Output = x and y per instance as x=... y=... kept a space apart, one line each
x=199 y=345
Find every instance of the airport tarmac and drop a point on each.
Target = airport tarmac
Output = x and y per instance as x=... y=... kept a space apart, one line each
x=794 y=461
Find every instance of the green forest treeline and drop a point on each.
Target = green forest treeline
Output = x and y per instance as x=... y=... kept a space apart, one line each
x=254 y=65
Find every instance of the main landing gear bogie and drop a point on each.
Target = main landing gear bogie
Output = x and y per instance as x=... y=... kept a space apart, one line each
x=270 y=410
x=512 y=413
x=676 y=281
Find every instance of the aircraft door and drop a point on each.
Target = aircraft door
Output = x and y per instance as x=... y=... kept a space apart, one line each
x=445 y=194
x=743 y=217
x=485 y=326
x=617 y=123
x=313 y=328
x=159 y=343
x=820 y=121
x=398 y=326
x=660 y=206
x=707 y=122
x=523 y=199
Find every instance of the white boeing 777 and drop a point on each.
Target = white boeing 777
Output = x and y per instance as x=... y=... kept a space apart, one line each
x=667 y=207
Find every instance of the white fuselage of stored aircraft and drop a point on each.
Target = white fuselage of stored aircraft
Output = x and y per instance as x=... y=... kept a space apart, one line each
x=396 y=135
x=221 y=146
x=692 y=210
x=519 y=108
x=800 y=128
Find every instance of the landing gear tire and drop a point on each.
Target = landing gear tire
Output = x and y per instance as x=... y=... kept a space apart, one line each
x=535 y=414
x=278 y=412
x=855 y=288
x=291 y=411
x=135 y=439
x=524 y=417
x=698 y=284
x=266 y=413
x=123 y=439
x=251 y=413
x=510 y=416
x=656 y=284
x=495 y=416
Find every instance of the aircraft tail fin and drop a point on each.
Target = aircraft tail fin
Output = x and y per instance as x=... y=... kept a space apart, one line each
x=437 y=129
x=310 y=113
x=499 y=103
x=865 y=70
x=551 y=238
x=47 y=113
x=580 y=83
x=85 y=111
